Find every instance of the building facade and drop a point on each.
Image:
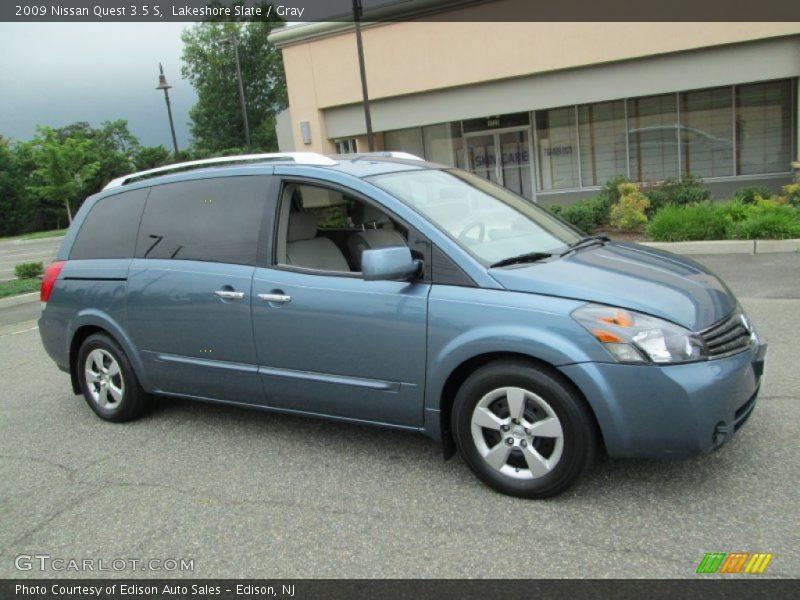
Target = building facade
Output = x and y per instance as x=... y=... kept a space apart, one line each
x=553 y=110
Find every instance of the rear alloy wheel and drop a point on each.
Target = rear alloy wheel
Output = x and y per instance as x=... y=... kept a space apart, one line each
x=522 y=430
x=107 y=380
x=104 y=380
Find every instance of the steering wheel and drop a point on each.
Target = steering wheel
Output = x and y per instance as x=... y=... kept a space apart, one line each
x=469 y=227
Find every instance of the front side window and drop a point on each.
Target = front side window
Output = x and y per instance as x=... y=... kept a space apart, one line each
x=487 y=220
x=324 y=229
x=215 y=220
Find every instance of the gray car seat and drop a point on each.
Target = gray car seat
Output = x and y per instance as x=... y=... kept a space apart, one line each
x=305 y=249
x=378 y=232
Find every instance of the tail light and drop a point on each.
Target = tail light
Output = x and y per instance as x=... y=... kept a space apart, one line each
x=49 y=279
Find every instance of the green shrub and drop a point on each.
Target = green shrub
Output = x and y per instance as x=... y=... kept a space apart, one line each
x=579 y=214
x=767 y=220
x=610 y=192
x=587 y=215
x=736 y=211
x=748 y=195
x=628 y=212
x=791 y=193
x=28 y=270
x=686 y=190
x=705 y=221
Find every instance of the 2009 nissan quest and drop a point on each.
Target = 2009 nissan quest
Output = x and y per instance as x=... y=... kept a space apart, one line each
x=390 y=291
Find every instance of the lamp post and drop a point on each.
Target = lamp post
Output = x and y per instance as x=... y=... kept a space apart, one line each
x=233 y=41
x=163 y=85
x=358 y=11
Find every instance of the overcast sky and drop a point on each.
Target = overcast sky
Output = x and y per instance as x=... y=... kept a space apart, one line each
x=58 y=73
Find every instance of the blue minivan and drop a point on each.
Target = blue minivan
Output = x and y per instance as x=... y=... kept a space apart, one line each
x=386 y=290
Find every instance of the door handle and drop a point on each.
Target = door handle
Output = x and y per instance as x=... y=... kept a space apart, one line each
x=229 y=294
x=275 y=297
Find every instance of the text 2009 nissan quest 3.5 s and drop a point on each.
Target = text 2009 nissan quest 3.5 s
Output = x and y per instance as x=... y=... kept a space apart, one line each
x=385 y=290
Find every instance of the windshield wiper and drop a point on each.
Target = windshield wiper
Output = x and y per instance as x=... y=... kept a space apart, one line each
x=589 y=240
x=522 y=258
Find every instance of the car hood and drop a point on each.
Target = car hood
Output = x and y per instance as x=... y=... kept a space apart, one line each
x=630 y=276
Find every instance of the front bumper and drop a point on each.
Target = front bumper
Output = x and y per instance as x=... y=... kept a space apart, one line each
x=671 y=411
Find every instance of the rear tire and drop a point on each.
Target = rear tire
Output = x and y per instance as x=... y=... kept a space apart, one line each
x=108 y=381
x=523 y=430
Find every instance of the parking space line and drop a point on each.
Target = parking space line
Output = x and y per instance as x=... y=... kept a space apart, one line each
x=19 y=332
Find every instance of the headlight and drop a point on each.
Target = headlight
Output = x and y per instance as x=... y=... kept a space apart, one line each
x=632 y=337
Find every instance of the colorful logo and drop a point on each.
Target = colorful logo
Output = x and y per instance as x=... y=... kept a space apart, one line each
x=735 y=562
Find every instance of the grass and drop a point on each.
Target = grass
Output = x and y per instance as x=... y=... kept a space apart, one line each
x=15 y=287
x=37 y=235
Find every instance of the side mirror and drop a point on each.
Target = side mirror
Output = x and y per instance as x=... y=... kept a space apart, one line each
x=394 y=263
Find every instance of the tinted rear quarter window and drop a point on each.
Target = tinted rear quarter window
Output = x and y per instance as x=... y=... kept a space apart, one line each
x=215 y=220
x=110 y=228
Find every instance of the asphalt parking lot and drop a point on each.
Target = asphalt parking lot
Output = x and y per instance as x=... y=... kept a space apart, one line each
x=251 y=494
x=13 y=252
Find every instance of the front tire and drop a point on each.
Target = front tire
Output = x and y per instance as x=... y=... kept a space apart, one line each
x=108 y=381
x=523 y=430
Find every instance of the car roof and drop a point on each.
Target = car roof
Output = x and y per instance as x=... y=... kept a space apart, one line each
x=356 y=165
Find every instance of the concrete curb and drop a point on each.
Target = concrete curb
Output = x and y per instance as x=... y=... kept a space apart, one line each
x=728 y=246
x=17 y=300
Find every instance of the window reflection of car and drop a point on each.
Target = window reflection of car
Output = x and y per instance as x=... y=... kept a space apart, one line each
x=660 y=136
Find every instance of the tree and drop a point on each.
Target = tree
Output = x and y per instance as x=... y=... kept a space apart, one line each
x=63 y=168
x=13 y=206
x=148 y=157
x=112 y=147
x=210 y=67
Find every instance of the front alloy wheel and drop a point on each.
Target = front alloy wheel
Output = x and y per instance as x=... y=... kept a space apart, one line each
x=523 y=429
x=517 y=433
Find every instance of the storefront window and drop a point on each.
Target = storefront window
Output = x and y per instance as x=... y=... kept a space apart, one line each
x=405 y=140
x=763 y=127
x=718 y=132
x=707 y=132
x=602 y=133
x=347 y=146
x=442 y=143
x=557 y=153
x=653 y=137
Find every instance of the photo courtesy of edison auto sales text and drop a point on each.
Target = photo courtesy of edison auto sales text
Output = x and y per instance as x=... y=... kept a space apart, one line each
x=143 y=590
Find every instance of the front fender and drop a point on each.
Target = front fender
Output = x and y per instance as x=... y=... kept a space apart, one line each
x=467 y=323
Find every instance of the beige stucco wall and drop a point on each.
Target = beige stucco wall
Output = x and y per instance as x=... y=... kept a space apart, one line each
x=411 y=57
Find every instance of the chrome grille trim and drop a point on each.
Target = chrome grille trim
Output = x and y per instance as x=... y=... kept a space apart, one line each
x=727 y=337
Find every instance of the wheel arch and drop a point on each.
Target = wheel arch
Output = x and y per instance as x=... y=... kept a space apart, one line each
x=458 y=375
x=93 y=322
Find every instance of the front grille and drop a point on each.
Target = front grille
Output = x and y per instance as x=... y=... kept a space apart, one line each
x=727 y=337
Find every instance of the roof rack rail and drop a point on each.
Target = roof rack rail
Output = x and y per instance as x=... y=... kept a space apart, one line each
x=380 y=154
x=305 y=158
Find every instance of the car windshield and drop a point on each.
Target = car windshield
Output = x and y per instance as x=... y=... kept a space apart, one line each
x=487 y=220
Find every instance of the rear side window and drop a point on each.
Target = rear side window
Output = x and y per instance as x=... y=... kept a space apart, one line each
x=110 y=228
x=215 y=220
